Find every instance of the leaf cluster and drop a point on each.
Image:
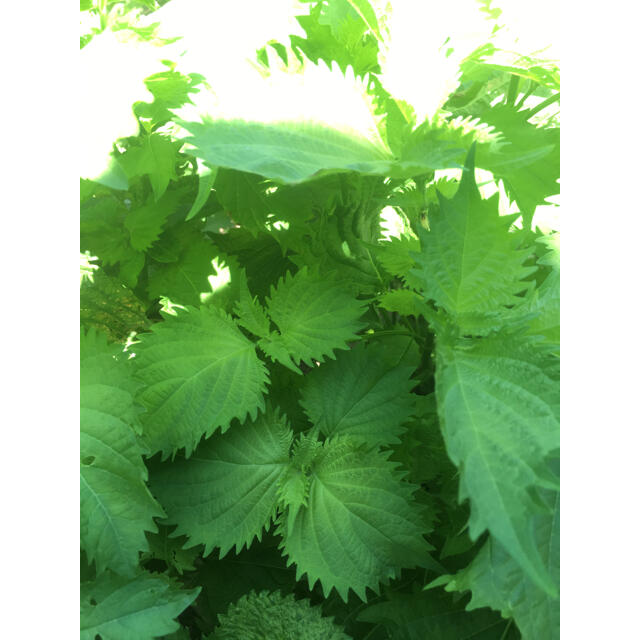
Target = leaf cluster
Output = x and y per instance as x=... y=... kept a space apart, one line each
x=320 y=357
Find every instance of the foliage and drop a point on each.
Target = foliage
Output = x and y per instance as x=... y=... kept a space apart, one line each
x=319 y=328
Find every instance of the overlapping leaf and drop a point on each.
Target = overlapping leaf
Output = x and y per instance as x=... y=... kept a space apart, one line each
x=244 y=196
x=365 y=392
x=156 y=157
x=314 y=317
x=116 y=507
x=360 y=526
x=289 y=152
x=226 y=493
x=199 y=373
x=139 y=609
x=182 y=264
x=469 y=263
x=499 y=410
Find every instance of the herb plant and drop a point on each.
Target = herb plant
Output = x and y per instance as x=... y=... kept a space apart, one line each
x=319 y=331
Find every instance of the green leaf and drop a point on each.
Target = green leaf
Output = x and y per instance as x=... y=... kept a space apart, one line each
x=244 y=197
x=360 y=526
x=434 y=614
x=226 y=493
x=403 y=301
x=496 y=581
x=545 y=301
x=110 y=307
x=349 y=19
x=145 y=223
x=183 y=264
x=499 y=410
x=206 y=178
x=139 y=609
x=102 y=229
x=116 y=507
x=169 y=549
x=442 y=144
x=251 y=314
x=365 y=392
x=469 y=262
x=395 y=254
x=347 y=46
x=156 y=157
x=528 y=162
x=289 y=152
x=258 y=616
x=314 y=317
x=199 y=373
x=170 y=90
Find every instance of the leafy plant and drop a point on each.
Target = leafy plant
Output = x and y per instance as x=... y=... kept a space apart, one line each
x=320 y=331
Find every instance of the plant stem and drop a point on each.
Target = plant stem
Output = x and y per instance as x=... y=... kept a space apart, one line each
x=544 y=104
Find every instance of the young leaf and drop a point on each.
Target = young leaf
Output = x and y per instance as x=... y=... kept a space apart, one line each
x=156 y=157
x=360 y=526
x=116 y=507
x=365 y=392
x=314 y=317
x=258 y=616
x=498 y=405
x=199 y=373
x=251 y=314
x=226 y=493
x=139 y=609
x=469 y=262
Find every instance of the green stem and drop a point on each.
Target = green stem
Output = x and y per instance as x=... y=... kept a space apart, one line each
x=506 y=629
x=544 y=104
x=526 y=94
x=512 y=93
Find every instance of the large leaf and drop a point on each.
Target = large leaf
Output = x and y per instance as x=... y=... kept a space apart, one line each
x=365 y=392
x=258 y=616
x=314 y=317
x=116 y=507
x=469 y=262
x=139 y=609
x=496 y=581
x=359 y=526
x=499 y=409
x=199 y=372
x=289 y=151
x=226 y=493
